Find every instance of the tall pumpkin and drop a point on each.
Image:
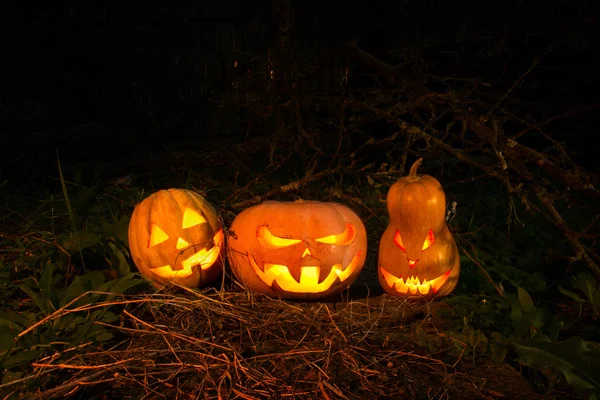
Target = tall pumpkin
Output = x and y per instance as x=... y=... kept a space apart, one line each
x=297 y=250
x=417 y=253
x=176 y=235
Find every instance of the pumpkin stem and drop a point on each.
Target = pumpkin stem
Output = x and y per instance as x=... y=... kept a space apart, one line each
x=413 y=169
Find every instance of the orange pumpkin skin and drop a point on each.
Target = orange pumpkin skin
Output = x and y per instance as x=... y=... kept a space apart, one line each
x=418 y=256
x=175 y=235
x=297 y=250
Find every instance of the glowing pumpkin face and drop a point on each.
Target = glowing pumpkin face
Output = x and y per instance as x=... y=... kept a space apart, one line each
x=297 y=250
x=176 y=235
x=417 y=253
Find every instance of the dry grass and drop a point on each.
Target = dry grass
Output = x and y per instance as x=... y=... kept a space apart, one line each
x=190 y=345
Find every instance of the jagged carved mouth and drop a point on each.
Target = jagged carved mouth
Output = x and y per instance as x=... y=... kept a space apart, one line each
x=205 y=258
x=413 y=284
x=310 y=276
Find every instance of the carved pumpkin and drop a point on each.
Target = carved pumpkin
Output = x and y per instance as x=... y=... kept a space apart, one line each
x=417 y=253
x=176 y=235
x=297 y=250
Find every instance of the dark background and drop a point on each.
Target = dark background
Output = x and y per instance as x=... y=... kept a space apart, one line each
x=111 y=84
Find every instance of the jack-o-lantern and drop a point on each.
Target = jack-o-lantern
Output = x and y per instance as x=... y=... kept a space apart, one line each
x=297 y=250
x=417 y=253
x=176 y=235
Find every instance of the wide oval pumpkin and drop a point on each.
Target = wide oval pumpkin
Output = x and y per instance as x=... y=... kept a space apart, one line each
x=175 y=235
x=417 y=253
x=297 y=250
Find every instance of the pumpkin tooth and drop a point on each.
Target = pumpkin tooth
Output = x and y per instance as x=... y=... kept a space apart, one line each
x=296 y=273
x=267 y=267
x=413 y=284
x=271 y=272
x=309 y=276
x=424 y=288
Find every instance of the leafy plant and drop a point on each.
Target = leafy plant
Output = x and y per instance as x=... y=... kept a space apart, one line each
x=50 y=310
x=537 y=332
x=532 y=322
x=64 y=318
x=589 y=288
x=576 y=359
x=475 y=340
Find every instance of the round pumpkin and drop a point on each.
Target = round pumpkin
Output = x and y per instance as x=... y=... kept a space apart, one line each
x=417 y=253
x=175 y=235
x=297 y=250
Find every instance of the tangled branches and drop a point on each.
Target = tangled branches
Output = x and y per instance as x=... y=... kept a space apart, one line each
x=402 y=111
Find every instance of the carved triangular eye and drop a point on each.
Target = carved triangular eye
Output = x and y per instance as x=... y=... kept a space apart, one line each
x=342 y=239
x=192 y=218
x=157 y=235
x=429 y=240
x=270 y=241
x=398 y=241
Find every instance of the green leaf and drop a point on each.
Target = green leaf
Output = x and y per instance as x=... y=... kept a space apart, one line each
x=74 y=290
x=570 y=294
x=99 y=208
x=108 y=317
x=22 y=357
x=118 y=261
x=534 y=282
x=104 y=335
x=120 y=229
x=12 y=320
x=465 y=260
x=596 y=300
x=535 y=318
x=7 y=339
x=93 y=280
x=65 y=323
x=572 y=357
x=473 y=337
x=46 y=288
x=554 y=328
x=9 y=376
x=83 y=331
x=587 y=284
x=479 y=340
x=81 y=284
x=43 y=302
x=119 y=285
x=46 y=279
x=520 y=324
x=524 y=300
x=528 y=319
x=85 y=239
x=498 y=352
